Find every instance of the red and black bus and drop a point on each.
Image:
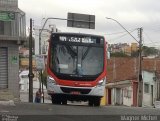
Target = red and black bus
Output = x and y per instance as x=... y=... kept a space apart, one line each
x=76 y=68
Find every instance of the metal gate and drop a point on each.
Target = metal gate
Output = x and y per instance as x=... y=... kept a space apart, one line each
x=3 y=68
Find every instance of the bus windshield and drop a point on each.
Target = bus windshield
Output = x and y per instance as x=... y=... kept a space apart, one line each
x=76 y=60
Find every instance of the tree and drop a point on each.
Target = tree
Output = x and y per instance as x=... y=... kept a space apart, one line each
x=44 y=77
x=149 y=51
x=118 y=54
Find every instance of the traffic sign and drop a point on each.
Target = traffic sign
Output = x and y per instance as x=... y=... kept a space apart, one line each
x=40 y=64
x=81 y=20
x=7 y=16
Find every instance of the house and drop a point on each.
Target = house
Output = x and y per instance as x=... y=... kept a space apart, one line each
x=123 y=93
x=123 y=47
x=122 y=81
x=150 y=88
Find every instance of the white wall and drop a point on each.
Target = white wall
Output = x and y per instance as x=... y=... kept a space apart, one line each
x=128 y=100
x=116 y=96
x=113 y=96
x=148 y=79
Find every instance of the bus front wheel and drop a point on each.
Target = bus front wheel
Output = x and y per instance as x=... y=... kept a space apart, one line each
x=64 y=102
x=95 y=101
x=55 y=100
x=90 y=103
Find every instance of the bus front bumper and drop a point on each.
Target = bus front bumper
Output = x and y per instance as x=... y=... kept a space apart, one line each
x=54 y=89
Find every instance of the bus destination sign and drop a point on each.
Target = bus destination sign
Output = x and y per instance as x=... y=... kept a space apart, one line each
x=77 y=39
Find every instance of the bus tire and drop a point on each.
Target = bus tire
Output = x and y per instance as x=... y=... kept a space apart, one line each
x=64 y=102
x=90 y=103
x=52 y=98
x=55 y=100
x=97 y=101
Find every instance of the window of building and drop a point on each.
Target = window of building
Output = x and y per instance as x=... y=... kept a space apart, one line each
x=1 y=28
x=13 y=3
x=7 y=28
x=127 y=93
x=146 y=88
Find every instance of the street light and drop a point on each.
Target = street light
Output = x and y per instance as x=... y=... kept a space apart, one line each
x=123 y=28
x=140 y=81
x=53 y=28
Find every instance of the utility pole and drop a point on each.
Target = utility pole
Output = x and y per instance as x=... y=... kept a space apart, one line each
x=40 y=72
x=30 y=75
x=140 y=80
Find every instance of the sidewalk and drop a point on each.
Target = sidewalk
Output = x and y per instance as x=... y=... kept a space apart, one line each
x=7 y=98
x=24 y=97
x=7 y=102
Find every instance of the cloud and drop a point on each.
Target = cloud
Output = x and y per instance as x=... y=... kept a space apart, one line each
x=130 y=13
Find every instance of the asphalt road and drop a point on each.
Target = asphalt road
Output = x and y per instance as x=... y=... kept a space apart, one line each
x=47 y=112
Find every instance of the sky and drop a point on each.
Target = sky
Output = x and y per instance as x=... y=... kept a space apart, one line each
x=131 y=14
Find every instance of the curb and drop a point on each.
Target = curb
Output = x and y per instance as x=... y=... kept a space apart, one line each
x=9 y=103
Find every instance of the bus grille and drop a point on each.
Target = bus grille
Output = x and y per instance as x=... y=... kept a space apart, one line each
x=69 y=90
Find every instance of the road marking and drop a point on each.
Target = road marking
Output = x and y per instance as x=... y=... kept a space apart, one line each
x=50 y=109
x=4 y=111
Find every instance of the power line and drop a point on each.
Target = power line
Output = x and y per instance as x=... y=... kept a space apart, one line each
x=122 y=35
x=118 y=32
x=152 y=43
x=154 y=28
x=148 y=37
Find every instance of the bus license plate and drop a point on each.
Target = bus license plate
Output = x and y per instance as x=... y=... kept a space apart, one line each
x=75 y=93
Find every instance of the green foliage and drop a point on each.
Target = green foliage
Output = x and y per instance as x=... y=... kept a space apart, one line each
x=44 y=78
x=146 y=51
x=149 y=51
x=118 y=54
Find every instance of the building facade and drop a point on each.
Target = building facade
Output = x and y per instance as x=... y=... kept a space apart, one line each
x=125 y=92
x=149 y=88
x=122 y=82
x=125 y=48
x=12 y=34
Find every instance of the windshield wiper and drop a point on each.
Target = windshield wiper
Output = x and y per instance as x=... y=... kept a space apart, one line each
x=86 y=52
x=71 y=51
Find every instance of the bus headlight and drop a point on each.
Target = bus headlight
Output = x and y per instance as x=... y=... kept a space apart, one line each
x=51 y=80
x=101 y=82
